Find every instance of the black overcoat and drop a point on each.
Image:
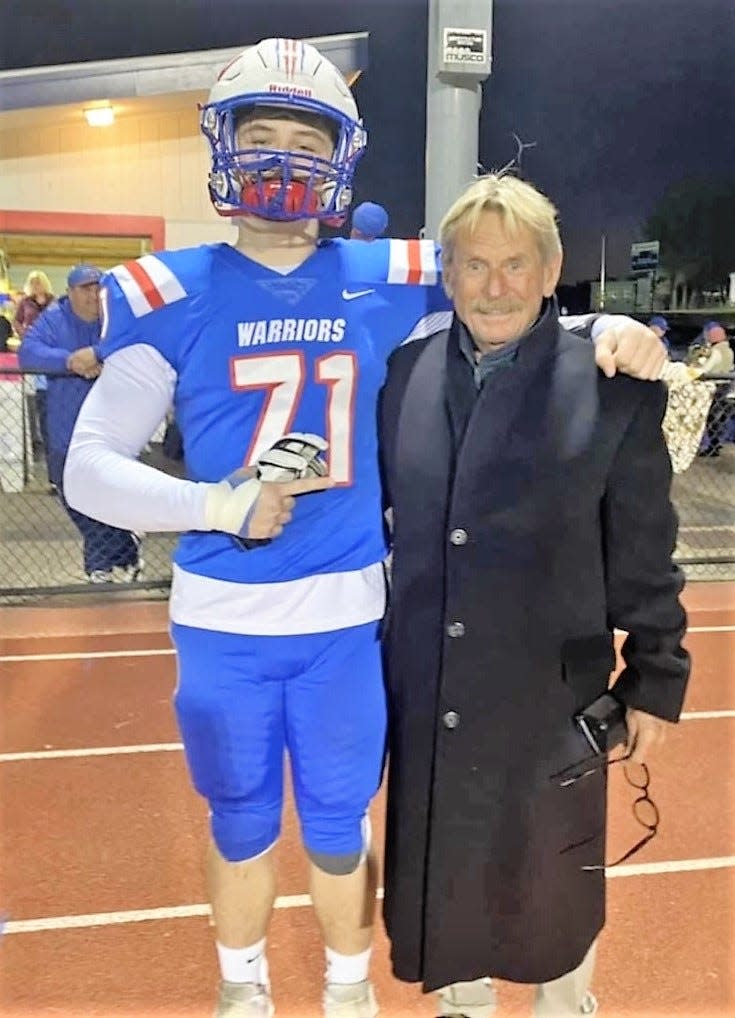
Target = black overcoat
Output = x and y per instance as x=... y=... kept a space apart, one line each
x=529 y=521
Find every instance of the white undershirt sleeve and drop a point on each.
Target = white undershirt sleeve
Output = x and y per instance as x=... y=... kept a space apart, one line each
x=102 y=477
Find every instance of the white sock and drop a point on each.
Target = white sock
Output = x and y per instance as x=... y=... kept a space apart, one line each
x=347 y=968
x=243 y=964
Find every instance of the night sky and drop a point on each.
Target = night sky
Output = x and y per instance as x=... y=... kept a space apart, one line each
x=622 y=97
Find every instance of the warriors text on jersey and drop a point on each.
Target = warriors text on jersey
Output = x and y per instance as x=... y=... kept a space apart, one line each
x=254 y=353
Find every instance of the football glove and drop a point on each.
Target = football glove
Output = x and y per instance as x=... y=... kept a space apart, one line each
x=291 y=457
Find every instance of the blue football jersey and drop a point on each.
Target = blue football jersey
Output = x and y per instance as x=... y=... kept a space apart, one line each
x=258 y=354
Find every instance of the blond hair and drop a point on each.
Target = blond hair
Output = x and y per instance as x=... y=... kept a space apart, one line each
x=518 y=203
x=36 y=275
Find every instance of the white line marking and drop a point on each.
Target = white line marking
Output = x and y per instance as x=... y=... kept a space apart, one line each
x=706 y=715
x=174 y=747
x=675 y=866
x=63 y=754
x=690 y=629
x=168 y=651
x=711 y=629
x=77 y=922
x=89 y=655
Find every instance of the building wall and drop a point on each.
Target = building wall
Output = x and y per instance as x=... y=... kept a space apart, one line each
x=146 y=163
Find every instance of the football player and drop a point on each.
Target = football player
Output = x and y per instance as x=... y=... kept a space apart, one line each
x=272 y=353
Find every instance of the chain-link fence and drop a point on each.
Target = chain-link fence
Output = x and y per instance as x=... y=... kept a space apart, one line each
x=47 y=548
x=704 y=492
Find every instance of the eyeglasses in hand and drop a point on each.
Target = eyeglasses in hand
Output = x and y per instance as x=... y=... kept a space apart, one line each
x=644 y=808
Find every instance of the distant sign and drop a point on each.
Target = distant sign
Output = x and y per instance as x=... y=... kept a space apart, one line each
x=644 y=256
x=465 y=47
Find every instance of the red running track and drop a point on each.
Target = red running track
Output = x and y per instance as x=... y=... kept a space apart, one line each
x=102 y=840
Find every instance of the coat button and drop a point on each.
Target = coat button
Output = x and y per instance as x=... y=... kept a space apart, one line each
x=458 y=537
x=450 y=719
x=455 y=629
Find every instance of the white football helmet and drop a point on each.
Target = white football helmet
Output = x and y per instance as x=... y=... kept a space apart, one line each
x=285 y=74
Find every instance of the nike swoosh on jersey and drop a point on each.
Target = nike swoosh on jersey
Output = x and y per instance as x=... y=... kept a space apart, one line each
x=353 y=294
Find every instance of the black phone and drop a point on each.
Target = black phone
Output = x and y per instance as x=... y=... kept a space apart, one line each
x=603 y=724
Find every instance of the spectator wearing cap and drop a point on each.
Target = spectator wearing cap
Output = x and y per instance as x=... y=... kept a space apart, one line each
x=720 y=361
x=369 y=221
x=62 y=343
x=660 y=326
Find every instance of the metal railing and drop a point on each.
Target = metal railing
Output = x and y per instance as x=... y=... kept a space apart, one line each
x=43 y=548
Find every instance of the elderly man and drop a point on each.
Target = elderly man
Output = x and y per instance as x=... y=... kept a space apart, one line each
x=531 y=513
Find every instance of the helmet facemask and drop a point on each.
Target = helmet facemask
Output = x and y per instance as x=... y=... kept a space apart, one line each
x=274 y=183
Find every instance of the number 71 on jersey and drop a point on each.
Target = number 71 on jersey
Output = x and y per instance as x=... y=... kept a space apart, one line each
x=282 y=377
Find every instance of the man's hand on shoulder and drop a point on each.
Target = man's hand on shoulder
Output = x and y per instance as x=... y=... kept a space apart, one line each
x=84 y=362
x=628 y=347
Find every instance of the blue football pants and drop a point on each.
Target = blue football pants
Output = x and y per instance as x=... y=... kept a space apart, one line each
x=241 y=701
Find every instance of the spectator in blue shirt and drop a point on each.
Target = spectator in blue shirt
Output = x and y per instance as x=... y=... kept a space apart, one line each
x=62 y=343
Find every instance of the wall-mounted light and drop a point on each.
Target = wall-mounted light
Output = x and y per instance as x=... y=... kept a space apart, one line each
x=100 y=116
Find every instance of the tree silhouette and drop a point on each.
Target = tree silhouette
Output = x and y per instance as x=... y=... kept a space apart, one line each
x=695 y=223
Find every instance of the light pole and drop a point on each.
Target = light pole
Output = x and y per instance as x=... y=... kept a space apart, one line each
x=458 y=61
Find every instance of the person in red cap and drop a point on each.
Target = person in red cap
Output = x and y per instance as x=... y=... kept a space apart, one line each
x=720 y=362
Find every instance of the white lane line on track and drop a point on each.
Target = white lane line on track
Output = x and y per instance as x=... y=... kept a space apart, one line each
x=63 y=754
x=690 y=629
x=168 y=651
x=174 y=747
x=674 y=866
x=706 y=715
x=76 y=922
x=87 y=655
x=711 y=629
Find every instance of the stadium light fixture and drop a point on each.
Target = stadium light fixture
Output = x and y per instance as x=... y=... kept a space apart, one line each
x=100 y=116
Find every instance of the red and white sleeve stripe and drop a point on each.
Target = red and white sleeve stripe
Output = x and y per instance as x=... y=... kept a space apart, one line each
x=413 y=261
x=148 y=284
